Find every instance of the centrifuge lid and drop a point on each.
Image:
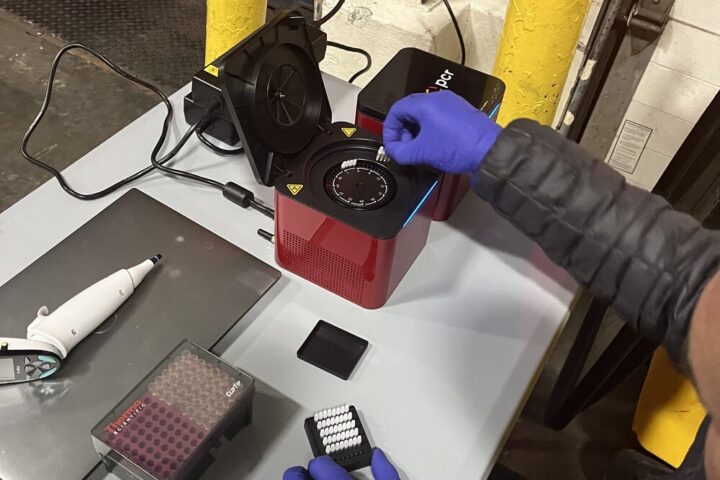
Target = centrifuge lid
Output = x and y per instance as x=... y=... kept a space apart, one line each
x=274 y=83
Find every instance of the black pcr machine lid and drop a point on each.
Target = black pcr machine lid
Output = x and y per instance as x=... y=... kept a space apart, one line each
x=416 y=71
x=274 y=85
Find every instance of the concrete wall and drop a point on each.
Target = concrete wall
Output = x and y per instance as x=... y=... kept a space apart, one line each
x=682 y=78
x=382 y=27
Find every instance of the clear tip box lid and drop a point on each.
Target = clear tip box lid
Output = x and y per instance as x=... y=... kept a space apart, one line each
x=165 y=427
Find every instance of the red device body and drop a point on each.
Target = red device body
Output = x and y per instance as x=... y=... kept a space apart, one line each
x=368 y=122
x=451 y=189
x=345 y=219
x=345 y=260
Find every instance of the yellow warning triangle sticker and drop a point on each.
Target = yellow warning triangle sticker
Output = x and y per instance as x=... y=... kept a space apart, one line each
x=212 y=70
x=348 y=131
x=294 y=188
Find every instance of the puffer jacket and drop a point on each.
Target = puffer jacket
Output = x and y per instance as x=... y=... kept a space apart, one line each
x=624 y=245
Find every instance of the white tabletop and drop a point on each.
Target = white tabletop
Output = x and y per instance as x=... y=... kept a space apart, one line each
x=452 y=354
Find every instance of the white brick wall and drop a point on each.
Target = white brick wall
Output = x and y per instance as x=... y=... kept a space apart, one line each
x=679 y=83
x=702 y=14
x=673 y=92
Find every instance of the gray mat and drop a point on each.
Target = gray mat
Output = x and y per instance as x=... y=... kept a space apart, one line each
x=202 y=286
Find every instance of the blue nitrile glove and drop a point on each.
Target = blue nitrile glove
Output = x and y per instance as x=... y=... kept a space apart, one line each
x=381 y=467
x=324 y=468
x=440 y=129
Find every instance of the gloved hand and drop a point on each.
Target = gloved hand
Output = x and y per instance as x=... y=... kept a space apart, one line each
x=439 y=129
x=324 y=468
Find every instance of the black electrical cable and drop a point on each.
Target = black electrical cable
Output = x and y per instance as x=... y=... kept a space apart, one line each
x=231 y=191
x=331 y=13
x=266 y=235
x=354 y=50
x=219 y=150
x=457 y=30
x=340 y=3
x=265 y=210
x=158 y=163
x=46 y=103
x=341 y=46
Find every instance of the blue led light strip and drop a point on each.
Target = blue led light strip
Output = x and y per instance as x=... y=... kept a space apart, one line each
x=494 y=111
x=420 y=203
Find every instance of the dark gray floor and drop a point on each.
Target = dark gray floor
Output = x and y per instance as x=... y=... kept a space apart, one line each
x=91 y=103
x=584 y=448
x=160 y=40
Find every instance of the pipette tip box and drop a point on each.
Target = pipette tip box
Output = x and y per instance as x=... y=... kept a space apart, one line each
x=167 y=426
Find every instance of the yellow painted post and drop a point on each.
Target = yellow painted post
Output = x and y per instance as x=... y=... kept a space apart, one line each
x=536 y=48
x=668 y=412
x=228 y=22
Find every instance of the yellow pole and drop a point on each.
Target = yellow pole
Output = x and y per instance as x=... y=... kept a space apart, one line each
x=536 y=48
x=668 y=413
x=228 y=22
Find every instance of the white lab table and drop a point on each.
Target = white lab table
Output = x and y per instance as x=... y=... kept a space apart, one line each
x=452 y=356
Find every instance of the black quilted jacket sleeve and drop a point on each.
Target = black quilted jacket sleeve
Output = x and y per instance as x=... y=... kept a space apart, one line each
x=623 y=244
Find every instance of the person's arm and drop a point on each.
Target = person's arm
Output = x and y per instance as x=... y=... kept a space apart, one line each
x=625 y=245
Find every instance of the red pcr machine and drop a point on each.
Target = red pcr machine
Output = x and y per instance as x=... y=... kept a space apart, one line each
x=345 y=219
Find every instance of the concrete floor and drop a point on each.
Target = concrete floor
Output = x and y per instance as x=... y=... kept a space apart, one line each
x=91 y=103
x=586 y=446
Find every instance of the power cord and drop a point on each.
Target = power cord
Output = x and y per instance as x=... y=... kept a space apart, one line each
x=219 y=150
x=235 y=193
x=159 y=163
x=331 y=13
x=46 y=103
x=457 y=30
x=341 y=46
x=354 y=50
x=367 y=56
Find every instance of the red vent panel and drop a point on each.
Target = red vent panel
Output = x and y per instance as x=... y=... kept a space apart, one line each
x=323 y=267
